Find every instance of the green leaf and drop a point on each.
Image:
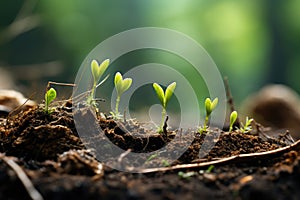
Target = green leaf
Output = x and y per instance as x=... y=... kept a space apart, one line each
x=160 y=93
x=118 y=77
x=95 y=71
x=120 y=84
x=214 y=103
x=169 y=92
x=233 y=117
x=103 y=66
x=98 y=70
x=248 y=121
x=208 y=106
x=126 y=83
x=50 y=95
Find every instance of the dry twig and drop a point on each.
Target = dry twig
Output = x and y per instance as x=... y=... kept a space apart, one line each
x=32 y=191
x=233 y=159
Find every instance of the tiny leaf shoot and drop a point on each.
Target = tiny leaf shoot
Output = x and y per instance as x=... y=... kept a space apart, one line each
x=233 y=117
x=210 y=168
x=121 y=86
x=209 y=107
x=164 y=98
x=186 y=175
x=97 y=72
x=247 y=127
x=50 y=95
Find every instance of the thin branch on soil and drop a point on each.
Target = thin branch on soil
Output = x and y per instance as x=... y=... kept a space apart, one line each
x=242 y=158
x=230 y=100
x=14 y=111
x=56 y=83
x=32 y=191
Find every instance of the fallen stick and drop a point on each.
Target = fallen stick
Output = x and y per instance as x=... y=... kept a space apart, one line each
x=222 y=161
x=32 y=192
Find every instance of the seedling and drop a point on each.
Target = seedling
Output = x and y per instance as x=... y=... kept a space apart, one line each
x=233 y=117
x=186 y=175
x=50 y=95
x=97 y=72
x=164 y=98
x=121 y=86
x=152 y=157
x=209 y=107
x=247 y=127
x=165 y=163
x=210 y=168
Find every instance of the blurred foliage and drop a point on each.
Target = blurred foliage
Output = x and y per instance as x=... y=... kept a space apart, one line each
x=253 y=42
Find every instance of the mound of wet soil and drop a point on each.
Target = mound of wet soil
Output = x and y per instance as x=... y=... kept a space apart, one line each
x=60 y=162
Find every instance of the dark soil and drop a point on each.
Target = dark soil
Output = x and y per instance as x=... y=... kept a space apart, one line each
x=62 y=165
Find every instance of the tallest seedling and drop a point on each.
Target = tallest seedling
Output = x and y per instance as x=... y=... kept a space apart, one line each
x=121 y=86
x=97 y=72
x=164 y=98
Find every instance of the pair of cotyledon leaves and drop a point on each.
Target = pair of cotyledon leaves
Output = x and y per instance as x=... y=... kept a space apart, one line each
x=164 y=97
x=122 y=84
x=210 y=105
x=98 y=70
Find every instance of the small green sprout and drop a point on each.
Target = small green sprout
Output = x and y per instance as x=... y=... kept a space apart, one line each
x=164 y=98
x=210 y=168
x=49 y=97
x=165 y=163
x=97 y=72
x=209 y=107
x=233 y=117
x=247 y=127
x=121 y=86
x=186 y=175
x=152 y=157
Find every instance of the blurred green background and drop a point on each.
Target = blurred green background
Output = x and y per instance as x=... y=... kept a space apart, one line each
x=253 y=42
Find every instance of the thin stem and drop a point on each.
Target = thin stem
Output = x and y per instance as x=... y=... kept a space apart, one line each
x=163 y=116
x=117 y=105
x=93 y=90
x=205 y=123
x=91 y=95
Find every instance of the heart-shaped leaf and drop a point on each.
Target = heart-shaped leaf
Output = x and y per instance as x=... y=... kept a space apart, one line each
x=210 y=105
x=98 y=70
x=126 y=83
x=120 y=84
